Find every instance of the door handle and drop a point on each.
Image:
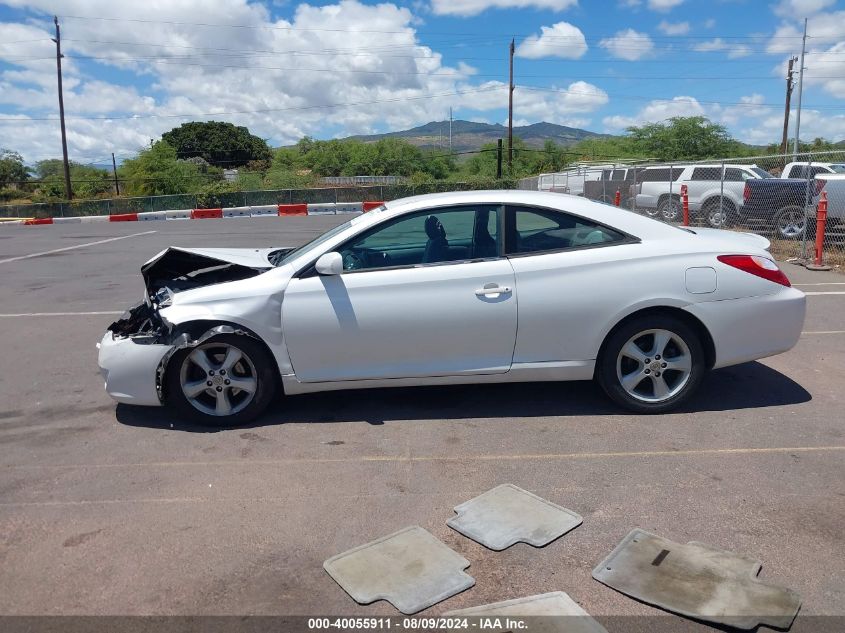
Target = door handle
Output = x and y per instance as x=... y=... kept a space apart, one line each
x=492 y=290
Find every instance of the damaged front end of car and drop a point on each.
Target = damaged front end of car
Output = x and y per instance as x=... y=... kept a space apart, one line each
x=135 y=349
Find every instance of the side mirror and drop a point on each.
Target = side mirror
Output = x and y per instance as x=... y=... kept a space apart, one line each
x=329 y=264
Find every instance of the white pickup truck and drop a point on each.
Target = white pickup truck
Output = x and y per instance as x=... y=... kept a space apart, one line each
x=811 y=169
x=834 y=187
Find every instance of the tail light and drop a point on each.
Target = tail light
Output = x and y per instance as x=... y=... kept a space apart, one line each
x=756 y=265
x=746 y=193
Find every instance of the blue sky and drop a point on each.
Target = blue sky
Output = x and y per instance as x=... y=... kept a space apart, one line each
x=286 y=69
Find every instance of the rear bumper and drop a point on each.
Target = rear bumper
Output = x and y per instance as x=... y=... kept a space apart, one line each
x=129 y=369
x=753 y=327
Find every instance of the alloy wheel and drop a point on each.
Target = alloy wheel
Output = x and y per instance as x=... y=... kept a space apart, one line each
x=218 y=379
x=654 y=365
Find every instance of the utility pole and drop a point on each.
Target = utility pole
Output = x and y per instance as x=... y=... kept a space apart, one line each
x=114 y=167
x=800 y=91
x=499 y=160
x=789 y=82
x=510 y=111
x=58 y=41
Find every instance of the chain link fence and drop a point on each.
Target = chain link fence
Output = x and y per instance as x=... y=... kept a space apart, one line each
x=773 y=195
x=241 y=199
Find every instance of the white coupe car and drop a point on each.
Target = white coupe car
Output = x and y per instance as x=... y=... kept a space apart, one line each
x=455 y=288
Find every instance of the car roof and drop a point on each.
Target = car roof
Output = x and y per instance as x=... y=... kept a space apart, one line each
x=612 y=216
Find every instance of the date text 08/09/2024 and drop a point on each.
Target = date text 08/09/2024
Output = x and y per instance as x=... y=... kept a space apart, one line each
x=417 y=624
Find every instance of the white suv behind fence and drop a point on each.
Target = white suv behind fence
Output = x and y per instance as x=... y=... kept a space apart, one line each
x=713 y=195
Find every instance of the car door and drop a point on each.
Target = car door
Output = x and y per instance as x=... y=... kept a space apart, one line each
x=422 y=294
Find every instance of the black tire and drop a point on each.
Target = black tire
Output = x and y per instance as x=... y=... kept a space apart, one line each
x=606 y=368
x=670 y=209
x=710 y=209
x=258 y=362
x=789 y=222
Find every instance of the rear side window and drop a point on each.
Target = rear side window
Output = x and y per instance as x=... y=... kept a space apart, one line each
x=706 y=173
x=661 y=174
x=530 y=230
x=732 y=174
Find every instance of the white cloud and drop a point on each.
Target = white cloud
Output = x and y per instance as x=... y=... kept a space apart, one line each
x=822 y=28
x=801 y=8
x=656 y=111
x=663 y=6
x=827 y=69
x=718 y=44
x=466 y=8
x=628 y=44
x=557 y=105
x=322 y=56
x=674 y=28
x=559 y=40
x=709 y=23
x=814 y=123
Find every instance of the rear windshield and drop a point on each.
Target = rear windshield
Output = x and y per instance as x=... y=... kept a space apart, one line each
x=762 y=173
x=838 y=169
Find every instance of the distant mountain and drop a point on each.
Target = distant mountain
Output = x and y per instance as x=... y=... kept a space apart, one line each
x=470 y=135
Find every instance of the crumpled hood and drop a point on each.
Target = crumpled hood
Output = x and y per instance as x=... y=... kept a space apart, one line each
x=179 y=268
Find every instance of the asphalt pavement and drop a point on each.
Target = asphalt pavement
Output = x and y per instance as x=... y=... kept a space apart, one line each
x=122 y=510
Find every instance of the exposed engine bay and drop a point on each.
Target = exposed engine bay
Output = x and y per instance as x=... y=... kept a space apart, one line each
x=176 y=270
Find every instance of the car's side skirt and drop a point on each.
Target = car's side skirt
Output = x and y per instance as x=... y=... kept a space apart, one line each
x=519 y=372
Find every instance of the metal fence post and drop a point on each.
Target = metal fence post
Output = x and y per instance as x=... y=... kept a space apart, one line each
x=633 y=192
x=810 y=179
x=671 y=182
x=722 y=196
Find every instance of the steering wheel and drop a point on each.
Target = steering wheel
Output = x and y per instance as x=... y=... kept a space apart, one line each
x=352 y=260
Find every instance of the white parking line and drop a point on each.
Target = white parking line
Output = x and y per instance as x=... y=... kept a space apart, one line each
x=70 y=248
x=831 y=292
x=824 y=332
x=55 y=314
x=824 y=283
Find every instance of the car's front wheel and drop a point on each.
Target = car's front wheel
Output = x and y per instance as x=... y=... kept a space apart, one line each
x=228 y=380
x=651 y=364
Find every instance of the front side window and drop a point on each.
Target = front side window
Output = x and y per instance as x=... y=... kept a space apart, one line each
x=426 y=237
x=538 y=230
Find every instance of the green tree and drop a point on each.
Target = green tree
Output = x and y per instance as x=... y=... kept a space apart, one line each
x=157 y=171
x=688 y=138
x=218 y=142
x=86 y=181
x=12 y=169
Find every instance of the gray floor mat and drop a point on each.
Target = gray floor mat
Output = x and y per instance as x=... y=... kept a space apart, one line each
x=507 y=514
x=410 y=569
x=553 y=612
x=697 y=581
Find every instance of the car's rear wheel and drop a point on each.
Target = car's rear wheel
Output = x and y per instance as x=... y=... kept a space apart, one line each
x=670 y=209
x=226 y=381
x=651 y=364
x=718 y=215
x=790 y=222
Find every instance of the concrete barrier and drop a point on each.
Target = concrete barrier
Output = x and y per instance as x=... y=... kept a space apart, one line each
x=75 y=220
x=206 y=214
x=264 y=210
x=293 y=209
x=90 y=219
x=322 y=209
x=178 y=214
x=370 y=205
x=236 y=212
x=123 y=217
x=146 y=216
x=349 y=207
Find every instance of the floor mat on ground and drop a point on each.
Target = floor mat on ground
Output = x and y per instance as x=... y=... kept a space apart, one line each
x=697 y=581
x=411 y=569
x=507 y=514
x=553 y=612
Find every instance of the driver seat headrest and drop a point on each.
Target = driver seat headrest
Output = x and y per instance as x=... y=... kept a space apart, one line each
x=434 y=228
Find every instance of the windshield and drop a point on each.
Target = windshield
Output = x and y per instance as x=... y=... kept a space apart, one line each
x=762 y=173
x=291 y=255
x=838 y=169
